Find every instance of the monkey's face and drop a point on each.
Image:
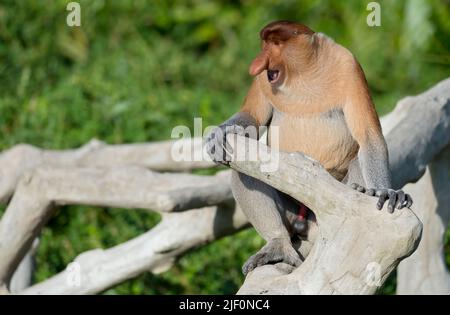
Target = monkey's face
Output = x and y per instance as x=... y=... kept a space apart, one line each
x=282 y=43
x=270 y=60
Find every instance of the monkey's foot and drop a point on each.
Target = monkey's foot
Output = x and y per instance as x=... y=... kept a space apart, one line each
x=397 y=198
x=275 y=251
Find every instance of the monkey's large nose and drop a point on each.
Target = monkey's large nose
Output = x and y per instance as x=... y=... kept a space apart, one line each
x=273 y=75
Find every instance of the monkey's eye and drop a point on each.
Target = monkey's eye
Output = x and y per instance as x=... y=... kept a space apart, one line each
x=272 y=75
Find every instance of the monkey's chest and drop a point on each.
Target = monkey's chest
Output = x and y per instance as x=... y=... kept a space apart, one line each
x=324 y=137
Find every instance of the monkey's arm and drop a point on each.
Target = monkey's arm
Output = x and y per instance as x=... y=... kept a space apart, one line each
x=364 y=125
x=255 y=112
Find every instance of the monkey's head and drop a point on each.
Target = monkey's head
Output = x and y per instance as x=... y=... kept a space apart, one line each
x=285 y=47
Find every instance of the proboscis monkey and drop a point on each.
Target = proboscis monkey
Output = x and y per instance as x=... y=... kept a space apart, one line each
x=315 y=92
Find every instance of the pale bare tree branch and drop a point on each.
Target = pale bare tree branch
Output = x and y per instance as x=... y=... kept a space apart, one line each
x=22 y=277
x=156 y=156
x=43 y=188
x=153 y=251
x=425 y=271
x=352 y=235
x=416 y=131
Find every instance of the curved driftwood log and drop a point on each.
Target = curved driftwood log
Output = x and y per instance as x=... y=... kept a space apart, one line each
x=353 y=238
x=356 y=247
x=416 y=131
x=157 y=156
x=97 y=270
x=43 y=188
x=425 y=271
x=23 y=276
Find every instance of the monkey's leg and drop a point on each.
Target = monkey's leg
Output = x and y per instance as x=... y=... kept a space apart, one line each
x=268 y=211
x=354 y=174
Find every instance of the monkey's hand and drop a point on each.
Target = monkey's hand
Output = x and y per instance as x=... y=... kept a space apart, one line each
x=397 y=198
x=216 y=143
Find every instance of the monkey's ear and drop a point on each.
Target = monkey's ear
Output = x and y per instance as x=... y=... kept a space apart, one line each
x=260 y=64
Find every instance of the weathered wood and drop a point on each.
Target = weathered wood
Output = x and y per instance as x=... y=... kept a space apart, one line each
x=157 y=156
x=425 y=271
x=23 y=275
x=97 y=270
x=43 y=188
x=417 y=130
x=352 y=235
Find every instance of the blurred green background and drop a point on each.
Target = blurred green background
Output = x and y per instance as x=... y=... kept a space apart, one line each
x=135 y=69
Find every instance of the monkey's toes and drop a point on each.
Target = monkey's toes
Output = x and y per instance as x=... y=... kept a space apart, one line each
x=395 y=198
x=275 y=251
x=358 y=187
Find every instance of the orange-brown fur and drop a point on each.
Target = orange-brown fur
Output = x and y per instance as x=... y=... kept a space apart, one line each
x=315 y=92
x=321 y=103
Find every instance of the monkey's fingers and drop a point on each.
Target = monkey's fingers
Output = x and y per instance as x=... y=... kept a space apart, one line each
x=400 y=199
x=383 y=196
x=227 y=153
x=392 y=200
x=228 y=149
x=358 y=187
x=408 y=201
x=214 y=146
x=235 y=130
x=397 y=199
x=209 y=144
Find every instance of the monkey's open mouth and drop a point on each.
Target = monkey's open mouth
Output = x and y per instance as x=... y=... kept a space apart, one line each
x=273 y=75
